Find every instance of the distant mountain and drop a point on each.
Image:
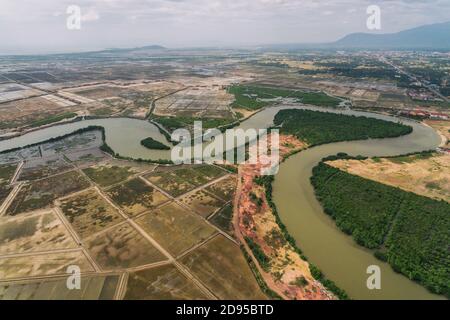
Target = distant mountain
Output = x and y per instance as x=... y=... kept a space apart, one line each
x=116 y=51
x=434 y=36
x=429 y=37
x=145 y=48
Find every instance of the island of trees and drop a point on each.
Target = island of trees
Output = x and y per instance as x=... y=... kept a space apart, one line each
x=317 y=128
x=151 y=143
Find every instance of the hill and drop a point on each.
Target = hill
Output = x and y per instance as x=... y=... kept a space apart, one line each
x=428 y=37
x=434 y=36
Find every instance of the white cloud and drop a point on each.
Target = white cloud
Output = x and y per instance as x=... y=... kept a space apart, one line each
x=203 y=22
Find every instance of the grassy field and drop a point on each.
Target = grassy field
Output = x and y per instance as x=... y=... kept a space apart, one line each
x=224 y=219
x=4 y=192
x=411 y=232
x=53 y=119
x=6 y=173
x=161 y=283
x=122 y=247
x=317 y=128
x=41 y=194
x=193 y=176
x=202 y=203
x=175 y=228
x=255 y=97
x=136 y=196
x=199 y=175
x=210 y=172
x=224 y=189
x=221 y=266
x=181 y=180
x=89 y=213
x=107 y=175
x=170 y=182
x=246 y=97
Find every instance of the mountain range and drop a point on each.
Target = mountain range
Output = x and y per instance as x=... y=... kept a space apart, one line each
x=428 y=37
x=434 y=36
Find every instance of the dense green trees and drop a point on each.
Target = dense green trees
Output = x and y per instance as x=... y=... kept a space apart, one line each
x=411 y=232
x=345 y=198
x=419 y=242
x=317 y=128
x=259 y=254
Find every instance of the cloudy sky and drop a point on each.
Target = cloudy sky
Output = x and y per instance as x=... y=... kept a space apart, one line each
x=31 y=26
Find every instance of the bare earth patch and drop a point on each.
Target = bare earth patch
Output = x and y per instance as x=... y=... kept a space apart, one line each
x=443 y=128
x=122 y=247
x=258 y=223
x=34 y=232
x=41 y=265
x=175 y=227
x=290 y=144
x=429 y=177
x=220 y=266
x=162 y=283
x=92 y=288
x=284 y=271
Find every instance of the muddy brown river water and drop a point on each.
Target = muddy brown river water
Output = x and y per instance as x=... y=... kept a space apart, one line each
x=335 y=253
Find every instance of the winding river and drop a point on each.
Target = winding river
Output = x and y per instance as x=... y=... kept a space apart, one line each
x=335 y=253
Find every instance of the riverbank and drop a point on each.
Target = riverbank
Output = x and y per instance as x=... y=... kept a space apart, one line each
x=298 y=209
x=316 y=233
x=257 y=228
x=407 y=230
x=442 y=128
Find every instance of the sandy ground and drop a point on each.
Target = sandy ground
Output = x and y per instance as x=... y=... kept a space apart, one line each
x=428 y=177
x=257 y=222
x=290 y=144
x=443 y=128
x=246 y=113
